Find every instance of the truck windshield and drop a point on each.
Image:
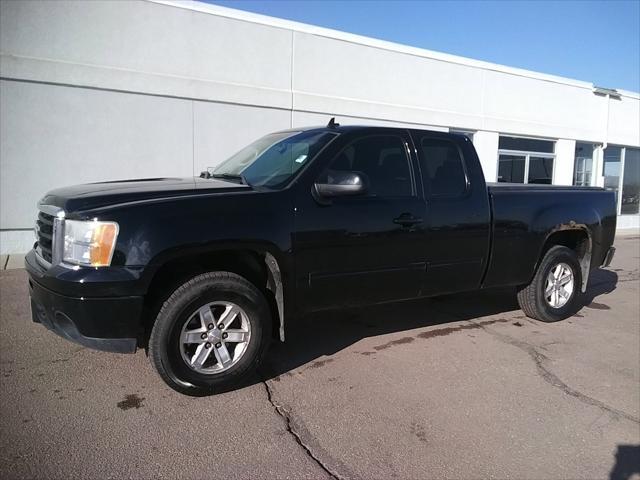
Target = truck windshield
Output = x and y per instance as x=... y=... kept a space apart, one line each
x=274 y=159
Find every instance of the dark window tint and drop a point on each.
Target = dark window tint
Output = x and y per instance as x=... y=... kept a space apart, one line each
x=511 y=168
x=526 y=144
x=540 y=170
x=611 y=168
x=384 y=162
x=631 y=181
x=442 y=165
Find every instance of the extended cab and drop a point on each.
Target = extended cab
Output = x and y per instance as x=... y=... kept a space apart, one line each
x=206 y=271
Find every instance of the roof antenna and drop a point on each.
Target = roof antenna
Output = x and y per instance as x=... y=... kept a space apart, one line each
x=332 y=123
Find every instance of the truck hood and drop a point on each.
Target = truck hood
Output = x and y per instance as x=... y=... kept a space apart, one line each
x=95 y=195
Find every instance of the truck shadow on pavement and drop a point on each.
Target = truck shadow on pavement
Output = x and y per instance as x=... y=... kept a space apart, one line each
x=320 y=335
x=627 y=464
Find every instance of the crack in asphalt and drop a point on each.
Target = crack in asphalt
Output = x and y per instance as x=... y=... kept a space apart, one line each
x=547 y=375
x=298 y=438
x=552 y=379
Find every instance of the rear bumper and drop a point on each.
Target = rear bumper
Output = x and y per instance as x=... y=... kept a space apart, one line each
x=609 y=257
x=110 y=324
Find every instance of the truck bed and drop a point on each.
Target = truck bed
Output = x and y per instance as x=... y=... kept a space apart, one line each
x=523 y=217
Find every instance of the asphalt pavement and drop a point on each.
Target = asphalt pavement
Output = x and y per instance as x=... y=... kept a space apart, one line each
x=454 y=387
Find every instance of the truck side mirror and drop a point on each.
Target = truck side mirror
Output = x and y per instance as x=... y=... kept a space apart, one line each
x=337 y=183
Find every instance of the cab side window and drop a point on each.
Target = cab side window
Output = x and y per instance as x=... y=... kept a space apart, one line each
x=442 y=167
x=384 y=162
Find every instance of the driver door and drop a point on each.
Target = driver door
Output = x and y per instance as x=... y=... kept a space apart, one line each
x=370 y=248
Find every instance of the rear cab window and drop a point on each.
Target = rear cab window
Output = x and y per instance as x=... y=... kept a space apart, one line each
x=443 y=167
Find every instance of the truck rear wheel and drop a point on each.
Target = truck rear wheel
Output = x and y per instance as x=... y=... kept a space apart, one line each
x=554 y=292
x=210 y=334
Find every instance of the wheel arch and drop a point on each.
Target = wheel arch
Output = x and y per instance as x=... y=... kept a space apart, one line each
x=261 y=265
x=575 y=236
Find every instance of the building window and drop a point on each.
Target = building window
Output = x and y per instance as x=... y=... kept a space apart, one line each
x=583 y=164
x=631 y=182
x=525 y=160
x=611 y=166
x=540 y=170
x=621 y=172
x=526 y=144
x=511 y=168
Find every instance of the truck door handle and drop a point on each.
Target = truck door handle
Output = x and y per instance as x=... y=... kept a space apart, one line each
x=407 y=220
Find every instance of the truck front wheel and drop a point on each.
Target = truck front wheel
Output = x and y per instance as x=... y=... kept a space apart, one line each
x=554 y=292
x=210 y=334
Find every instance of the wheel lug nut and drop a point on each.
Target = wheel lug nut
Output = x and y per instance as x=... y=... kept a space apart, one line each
x=224 y=335
x=218 y=345
x=203 y=336
x=221 y=326
x=207 y=345
x=210 y=326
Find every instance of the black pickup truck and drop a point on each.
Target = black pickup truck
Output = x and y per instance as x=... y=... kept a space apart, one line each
x=205 y=272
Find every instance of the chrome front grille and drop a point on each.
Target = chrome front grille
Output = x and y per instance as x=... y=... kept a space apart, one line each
x=49 y=226
x=44 y=233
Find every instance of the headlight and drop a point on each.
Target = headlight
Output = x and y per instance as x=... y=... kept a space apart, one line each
x=89 y=243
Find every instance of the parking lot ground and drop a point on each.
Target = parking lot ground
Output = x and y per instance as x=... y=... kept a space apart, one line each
x=459 y=387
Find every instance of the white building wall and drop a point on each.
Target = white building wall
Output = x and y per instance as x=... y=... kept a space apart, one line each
x=146 y=47
x=371 y=82
x=220 y=130
x=486 y=144
x=52 y=134
x=623 y=121
x=598 y=166
x=107 y=90
x=563 y=165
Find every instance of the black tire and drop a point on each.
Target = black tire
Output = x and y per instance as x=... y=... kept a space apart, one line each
x=164 y=340
x=531 y=297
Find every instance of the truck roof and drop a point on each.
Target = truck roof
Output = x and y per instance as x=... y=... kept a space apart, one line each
x=351 y=128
